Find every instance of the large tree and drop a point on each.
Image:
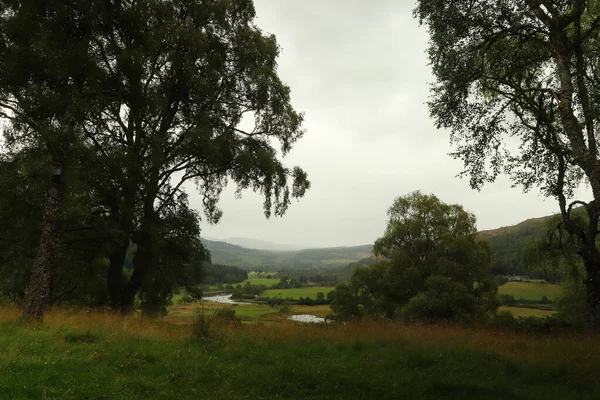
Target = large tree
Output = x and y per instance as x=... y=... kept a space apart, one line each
x=518 y=85
x=134 y=100
x=436 y=267
x=192 y=95
x=44 y=74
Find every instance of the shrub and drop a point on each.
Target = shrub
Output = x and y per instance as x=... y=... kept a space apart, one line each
x=285 y=307
x=201 y=325
x=185 y=299
x=225 y=314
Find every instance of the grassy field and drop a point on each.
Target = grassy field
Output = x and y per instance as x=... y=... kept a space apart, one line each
x=242 y=311
x=320 y=310
x=297 y=293
x=527 y=312
x=531 y=290
x=102 y=356
x=260 y=281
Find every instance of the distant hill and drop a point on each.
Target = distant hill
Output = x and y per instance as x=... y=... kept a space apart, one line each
x=334 y=257
x=507 y=244
x=260 y=244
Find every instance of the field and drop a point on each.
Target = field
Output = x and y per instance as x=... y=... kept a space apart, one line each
x=531 y=290
x=259 y=281
x=527 y=312
x=102 y=356
x=297 y=293
x=242 y=311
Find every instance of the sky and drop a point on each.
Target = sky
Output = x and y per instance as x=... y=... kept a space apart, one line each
x=359 y=72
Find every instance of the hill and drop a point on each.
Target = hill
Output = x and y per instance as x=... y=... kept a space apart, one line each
x=508 y=242
x=333 y=257
x=261 y=244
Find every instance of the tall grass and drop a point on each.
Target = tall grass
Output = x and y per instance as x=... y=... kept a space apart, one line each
x=101 y=355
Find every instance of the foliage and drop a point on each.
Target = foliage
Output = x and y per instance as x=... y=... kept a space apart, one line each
x=218 y=273
x=436 y=269
x=130 y=101
x=572 y=304
x=517 y=86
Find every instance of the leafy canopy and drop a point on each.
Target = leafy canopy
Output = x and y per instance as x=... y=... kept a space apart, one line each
x=435 y=268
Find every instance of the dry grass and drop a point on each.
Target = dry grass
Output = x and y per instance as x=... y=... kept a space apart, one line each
x=574 y=349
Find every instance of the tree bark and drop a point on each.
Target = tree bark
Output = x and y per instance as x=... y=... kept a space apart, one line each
x=145 y=257
x=40 y=281
x=115 y=279
x=593 y=293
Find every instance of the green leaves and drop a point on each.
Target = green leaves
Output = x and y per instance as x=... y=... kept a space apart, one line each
x=436 y=268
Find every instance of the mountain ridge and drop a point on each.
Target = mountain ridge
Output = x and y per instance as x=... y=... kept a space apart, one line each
x=507 y=244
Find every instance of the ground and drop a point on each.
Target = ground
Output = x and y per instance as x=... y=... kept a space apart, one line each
x=101 y=356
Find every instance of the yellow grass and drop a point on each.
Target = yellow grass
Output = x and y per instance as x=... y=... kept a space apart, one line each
x=320 y=310
x=576 y=349
x=527 y=312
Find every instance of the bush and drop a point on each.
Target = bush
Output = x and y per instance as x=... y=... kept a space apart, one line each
x=507 y=299
x=185 y=299
x=285 y=307
x=500 y=280
x=201 y=325
x=225 y=314
x=530 y=325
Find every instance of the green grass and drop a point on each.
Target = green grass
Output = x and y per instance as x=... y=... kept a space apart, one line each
x=244 y=311
x=259 y=281
x=253 y=311
x=297 y=293
x=299 y=362
x=527 y=312
x=531 y=290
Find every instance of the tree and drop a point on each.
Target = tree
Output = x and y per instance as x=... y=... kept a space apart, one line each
x=517 y=85
x=183 y=80
x=44 y=76
x=435 y=267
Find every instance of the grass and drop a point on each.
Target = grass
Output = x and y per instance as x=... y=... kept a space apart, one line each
x=242 y=311
x=320 y=310
x=101 y=356
x=527 y=312
x=531 y=290
x=297 y=293
x=259 y=281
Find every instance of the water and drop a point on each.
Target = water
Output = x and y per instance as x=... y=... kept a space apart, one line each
x=223 y=299
x=307 y=318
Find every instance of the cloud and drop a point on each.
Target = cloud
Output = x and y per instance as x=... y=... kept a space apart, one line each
x=359 y=71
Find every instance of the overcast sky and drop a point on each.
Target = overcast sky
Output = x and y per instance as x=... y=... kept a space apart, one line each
x=359 y=71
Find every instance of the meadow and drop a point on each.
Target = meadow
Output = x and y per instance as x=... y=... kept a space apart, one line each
x=297 y=293
x=260 y=281
x=531 y=290
x=103 y=356
x=527 y=312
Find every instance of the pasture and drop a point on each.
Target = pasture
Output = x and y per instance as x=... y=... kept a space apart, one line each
x=259 y=281
x=101 y=356
x=297 y=293
x=531 y=290
x=242 y=311
x=527 y=312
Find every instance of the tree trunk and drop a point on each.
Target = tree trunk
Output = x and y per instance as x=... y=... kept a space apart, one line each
x=41 y=273
x=145 y=257
x=593 y=293
x=115 y=274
